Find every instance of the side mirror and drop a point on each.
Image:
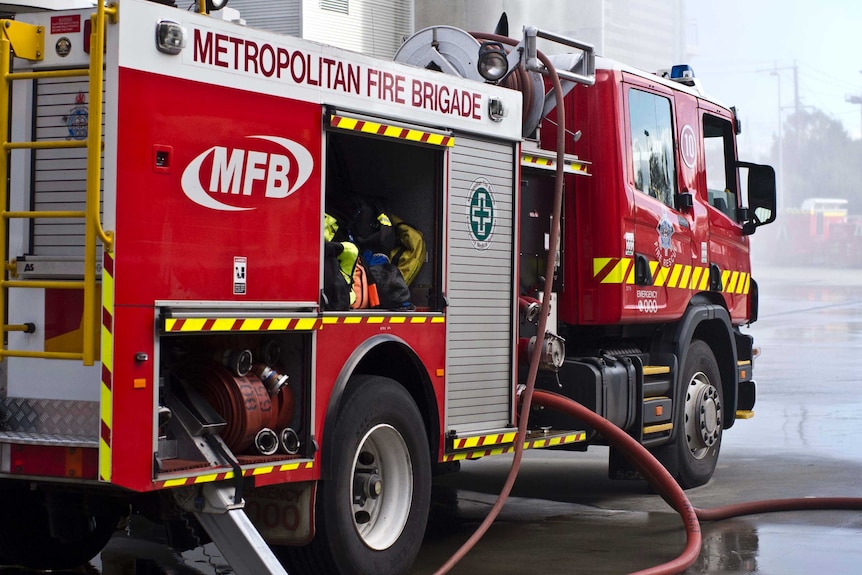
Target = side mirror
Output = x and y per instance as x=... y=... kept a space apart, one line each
x=761 y=196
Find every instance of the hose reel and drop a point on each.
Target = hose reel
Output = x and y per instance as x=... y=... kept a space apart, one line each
x=253 y=398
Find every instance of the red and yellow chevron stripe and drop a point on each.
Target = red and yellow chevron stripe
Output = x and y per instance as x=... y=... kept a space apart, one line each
x=107 y=358
x=381 y=319
x=226 y=324
x=199 y=324
x=390 y=131
x=483 y=440
x=497 y=444
x=622 y=271
x=253 y=472
x=569 y=165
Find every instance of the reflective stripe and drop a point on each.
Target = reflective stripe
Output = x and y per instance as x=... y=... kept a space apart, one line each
x=254 y=471
x=106 y=395
x=504 y=443
x=216 y=324
x=679 y=276
x=391 y=131
x=570 y=165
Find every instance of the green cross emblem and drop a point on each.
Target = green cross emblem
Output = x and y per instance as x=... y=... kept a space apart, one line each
x=481 y=213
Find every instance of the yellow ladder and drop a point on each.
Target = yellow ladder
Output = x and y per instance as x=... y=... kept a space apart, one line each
x=27 y=41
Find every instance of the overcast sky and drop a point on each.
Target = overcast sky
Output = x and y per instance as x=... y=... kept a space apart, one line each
x=738 y=42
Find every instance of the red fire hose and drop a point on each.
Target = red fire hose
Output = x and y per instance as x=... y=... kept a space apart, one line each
x=527 y=394
x=671 y=492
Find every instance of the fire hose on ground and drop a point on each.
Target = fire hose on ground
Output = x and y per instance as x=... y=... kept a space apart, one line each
x=659 y=478
x=666 y=486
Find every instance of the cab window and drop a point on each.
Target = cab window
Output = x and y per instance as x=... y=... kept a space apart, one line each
x=720 y=170
x=652 y=145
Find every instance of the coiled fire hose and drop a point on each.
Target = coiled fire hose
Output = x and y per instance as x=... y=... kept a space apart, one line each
x=252 y=405
x=658 y=477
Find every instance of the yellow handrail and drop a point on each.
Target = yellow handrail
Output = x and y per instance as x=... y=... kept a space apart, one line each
x=94 y=127
x=94 y=167
x=45 y=214
x=15 y=32
x=5 y=60
x=41 y=354
x=48 y=284
x=45 y=145
x=32 y=75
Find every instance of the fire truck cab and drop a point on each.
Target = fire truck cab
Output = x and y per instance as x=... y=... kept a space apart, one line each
x=184 y=196
x=655 y=262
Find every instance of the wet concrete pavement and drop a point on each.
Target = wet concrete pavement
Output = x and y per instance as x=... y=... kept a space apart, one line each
x=565 y=516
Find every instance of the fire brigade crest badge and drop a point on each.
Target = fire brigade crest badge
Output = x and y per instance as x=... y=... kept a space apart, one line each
x=77 y=119
x=664 y=251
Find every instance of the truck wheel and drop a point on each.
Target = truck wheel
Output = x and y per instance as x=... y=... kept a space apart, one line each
x=88 y=524
x=698 y=439
x=371 y=513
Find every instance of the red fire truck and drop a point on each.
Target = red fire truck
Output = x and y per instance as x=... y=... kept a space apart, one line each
x=171 y=346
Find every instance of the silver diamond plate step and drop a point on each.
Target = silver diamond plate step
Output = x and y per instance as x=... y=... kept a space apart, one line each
x=50 y=422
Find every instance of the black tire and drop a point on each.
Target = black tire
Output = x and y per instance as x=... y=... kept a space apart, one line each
x=378 y=446
x=25 y=538
x=698 y=439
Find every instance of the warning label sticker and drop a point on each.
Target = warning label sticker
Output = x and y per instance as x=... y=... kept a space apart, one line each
x=68 y=24
x=239 y=280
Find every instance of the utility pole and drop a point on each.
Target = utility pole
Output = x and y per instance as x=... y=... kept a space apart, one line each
x=855 y=99
x=797 y=107
x=780 y=172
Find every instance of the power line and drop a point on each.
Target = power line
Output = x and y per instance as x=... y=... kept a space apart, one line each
x=841 y=82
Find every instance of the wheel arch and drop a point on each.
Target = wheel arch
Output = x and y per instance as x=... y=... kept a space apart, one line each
x=387 y=356
x=711 y=323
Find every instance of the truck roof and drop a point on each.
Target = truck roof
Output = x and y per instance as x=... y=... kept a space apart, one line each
x=603 y=63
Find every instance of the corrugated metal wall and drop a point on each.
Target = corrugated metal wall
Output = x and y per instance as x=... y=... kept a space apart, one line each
x=60 y=176
x=282 y=16
x=480 y=314
x=374 y=27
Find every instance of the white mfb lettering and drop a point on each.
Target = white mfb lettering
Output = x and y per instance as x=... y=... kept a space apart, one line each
x=277 y=185
x=235 y=172
x=254 y=170
x=238 y=171
x=226 y=173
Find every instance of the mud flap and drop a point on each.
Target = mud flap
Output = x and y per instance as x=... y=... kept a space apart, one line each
x=283 y=514
x=619 y=466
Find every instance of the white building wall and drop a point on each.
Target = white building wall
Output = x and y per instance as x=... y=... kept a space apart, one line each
x=373 y=27
x=648 y=34
x=282 y=16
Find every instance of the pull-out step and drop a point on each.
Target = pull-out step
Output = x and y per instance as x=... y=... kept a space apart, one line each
x=226 y=522
x=657 y=412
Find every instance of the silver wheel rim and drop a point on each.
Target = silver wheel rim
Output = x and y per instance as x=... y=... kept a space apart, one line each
x=702 y=415
x=382 y=489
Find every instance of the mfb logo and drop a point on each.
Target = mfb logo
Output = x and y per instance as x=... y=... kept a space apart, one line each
x=235 y=174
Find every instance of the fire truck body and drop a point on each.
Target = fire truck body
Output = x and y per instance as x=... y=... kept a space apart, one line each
x=170 y=331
